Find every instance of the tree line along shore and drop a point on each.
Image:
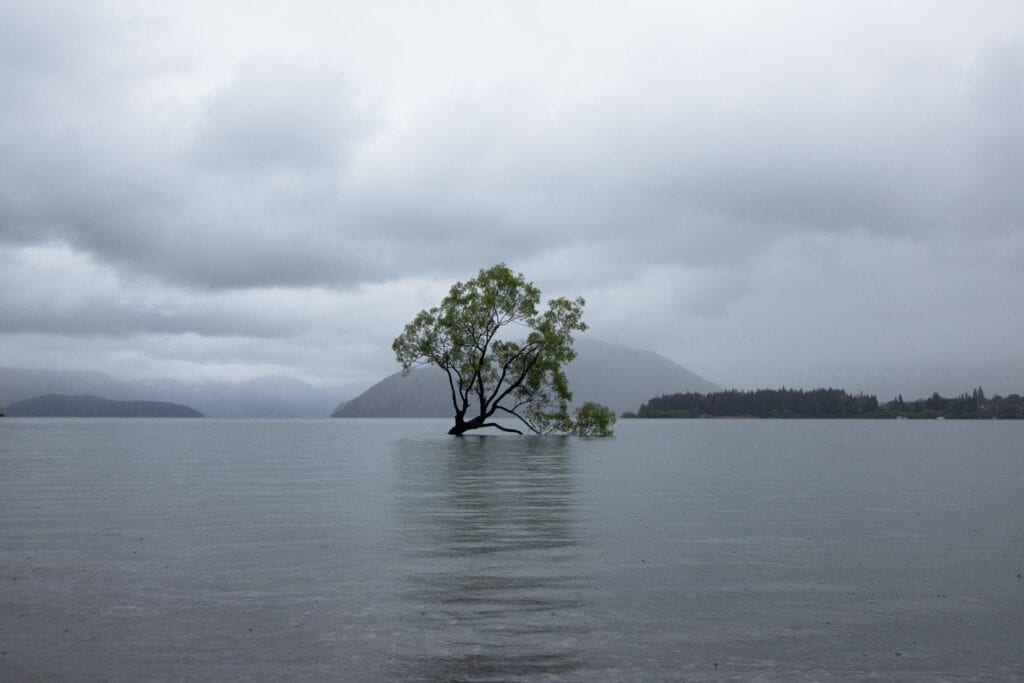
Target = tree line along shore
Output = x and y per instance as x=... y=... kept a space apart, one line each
x=829 y=404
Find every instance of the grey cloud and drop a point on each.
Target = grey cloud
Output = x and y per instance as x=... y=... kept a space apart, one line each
x=272 y=188
x=277 y=115
x=45 y=36
x=54 y=290
x=196 y=215
x=122 y=321
x=996 y=154
x=74 y=297
x=664 y=192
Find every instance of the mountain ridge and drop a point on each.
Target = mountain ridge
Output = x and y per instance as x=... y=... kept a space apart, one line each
x=269 y=396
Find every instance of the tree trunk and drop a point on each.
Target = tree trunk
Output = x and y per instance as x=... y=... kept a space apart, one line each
x=462 y=426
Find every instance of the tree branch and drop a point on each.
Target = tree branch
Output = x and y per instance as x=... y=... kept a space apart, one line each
x=504 y=373
x=478 y=378
x=451 y=385
x=504 y=429
x=464 y=395
x=520 y=418
x=522 y=377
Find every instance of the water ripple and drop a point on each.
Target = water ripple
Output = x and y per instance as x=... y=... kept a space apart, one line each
x=490 y=578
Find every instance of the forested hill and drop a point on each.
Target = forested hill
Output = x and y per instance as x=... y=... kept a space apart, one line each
x=58 y=405
x=829 y=403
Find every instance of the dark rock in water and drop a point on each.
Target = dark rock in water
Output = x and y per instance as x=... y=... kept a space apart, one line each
x=60 y=405
x=620 y=377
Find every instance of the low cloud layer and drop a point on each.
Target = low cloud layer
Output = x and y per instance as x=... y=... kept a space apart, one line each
x=794 y=194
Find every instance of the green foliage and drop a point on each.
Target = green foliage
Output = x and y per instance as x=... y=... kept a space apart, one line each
x=593 y=419
x=489 y=373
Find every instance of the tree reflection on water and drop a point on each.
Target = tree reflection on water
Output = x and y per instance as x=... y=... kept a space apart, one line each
x=492 y=581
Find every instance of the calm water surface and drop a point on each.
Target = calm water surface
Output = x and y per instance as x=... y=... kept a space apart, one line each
x=386 y=550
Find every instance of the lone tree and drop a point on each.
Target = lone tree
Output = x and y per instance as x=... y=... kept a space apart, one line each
x=489 y=374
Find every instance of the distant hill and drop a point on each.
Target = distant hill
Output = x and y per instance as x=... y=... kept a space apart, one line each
x=60 y=405
x=617 y=376
x=273 y=396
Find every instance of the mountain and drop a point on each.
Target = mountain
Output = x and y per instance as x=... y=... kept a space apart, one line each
x=263 y=397
x=275 y=396
x=617 y=376
x=60 y=405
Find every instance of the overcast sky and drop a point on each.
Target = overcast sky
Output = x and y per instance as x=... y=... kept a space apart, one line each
x=805 y=194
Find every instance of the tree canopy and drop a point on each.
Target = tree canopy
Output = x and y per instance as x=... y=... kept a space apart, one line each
x=490 y=374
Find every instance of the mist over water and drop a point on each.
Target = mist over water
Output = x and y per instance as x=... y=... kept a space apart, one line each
x=384 y=549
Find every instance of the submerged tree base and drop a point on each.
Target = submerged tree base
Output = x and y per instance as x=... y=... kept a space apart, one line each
x=590 y=419
x=463 y=426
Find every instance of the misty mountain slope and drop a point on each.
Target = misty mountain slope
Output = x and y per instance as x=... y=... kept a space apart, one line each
x=276 y=396
x=59 y=405
x=423 y=393
x=618 y=376
x=17 y=384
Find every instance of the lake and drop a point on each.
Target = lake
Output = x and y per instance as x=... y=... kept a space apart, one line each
x=386 y=550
